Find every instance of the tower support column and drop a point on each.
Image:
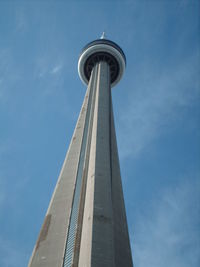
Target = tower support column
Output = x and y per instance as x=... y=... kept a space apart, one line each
x=97 y=232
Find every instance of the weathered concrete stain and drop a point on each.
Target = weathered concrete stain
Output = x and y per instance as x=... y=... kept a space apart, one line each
x=44 y=230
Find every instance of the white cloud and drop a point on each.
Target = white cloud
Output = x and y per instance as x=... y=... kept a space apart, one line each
x=168 y=233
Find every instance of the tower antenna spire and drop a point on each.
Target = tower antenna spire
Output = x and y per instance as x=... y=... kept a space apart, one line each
x=103 y=36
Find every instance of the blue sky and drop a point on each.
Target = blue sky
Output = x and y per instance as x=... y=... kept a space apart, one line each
x=156 y=107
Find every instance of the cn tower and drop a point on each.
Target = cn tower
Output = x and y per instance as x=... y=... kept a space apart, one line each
x=85 y=224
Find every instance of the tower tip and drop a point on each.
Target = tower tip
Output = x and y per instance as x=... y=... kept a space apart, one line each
x=103 y=36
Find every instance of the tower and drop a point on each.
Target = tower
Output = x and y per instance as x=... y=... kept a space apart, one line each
x=85 y=224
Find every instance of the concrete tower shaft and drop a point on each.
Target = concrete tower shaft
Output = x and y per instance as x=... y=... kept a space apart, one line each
x=85 y=224
x=105 y=239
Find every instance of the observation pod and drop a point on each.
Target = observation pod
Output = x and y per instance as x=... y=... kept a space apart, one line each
x=85 y=224
x=102 y=50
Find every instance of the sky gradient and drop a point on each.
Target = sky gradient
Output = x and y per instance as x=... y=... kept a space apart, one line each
x=156 y=108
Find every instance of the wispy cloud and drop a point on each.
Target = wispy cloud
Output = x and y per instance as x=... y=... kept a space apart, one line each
x=49 y=72
x=168 y=233
x=158 y=98
x=56 y=69
x=45 y=68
